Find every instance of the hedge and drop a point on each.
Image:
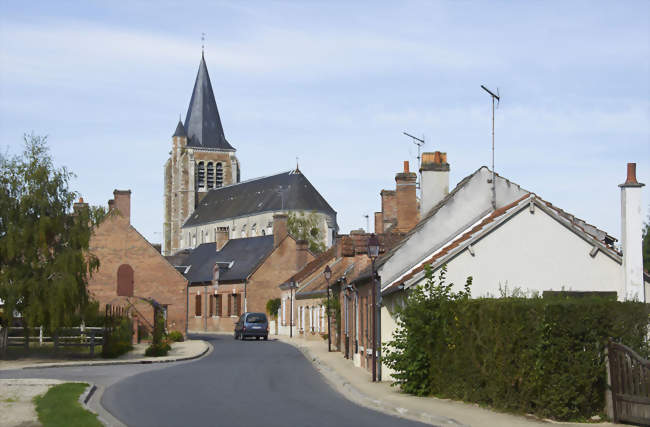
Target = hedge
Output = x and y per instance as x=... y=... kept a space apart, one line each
x=118 y=341
x=536 y=355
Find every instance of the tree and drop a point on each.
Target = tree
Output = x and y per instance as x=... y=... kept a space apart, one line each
x=307 y=227
x=44 y=259
x=646 y=245
x=272 y=307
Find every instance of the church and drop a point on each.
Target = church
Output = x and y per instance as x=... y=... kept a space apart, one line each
x=204 y=197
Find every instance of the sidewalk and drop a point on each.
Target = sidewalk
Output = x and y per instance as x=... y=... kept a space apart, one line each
x=356 y=385
x=186 y=350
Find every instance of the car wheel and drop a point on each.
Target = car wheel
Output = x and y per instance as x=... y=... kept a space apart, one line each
x=266 y=337
x=257 y=338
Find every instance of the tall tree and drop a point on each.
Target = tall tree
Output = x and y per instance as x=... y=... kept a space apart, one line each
x=44 y=262
x=307 y=226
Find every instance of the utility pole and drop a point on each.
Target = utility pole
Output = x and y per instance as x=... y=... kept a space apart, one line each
x=494 y=191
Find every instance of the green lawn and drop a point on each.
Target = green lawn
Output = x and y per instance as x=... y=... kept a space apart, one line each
x=60 y=407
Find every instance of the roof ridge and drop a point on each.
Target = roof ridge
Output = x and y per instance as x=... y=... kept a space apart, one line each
x=249 y=180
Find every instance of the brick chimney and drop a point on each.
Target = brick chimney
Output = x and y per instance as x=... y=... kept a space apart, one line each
x=435 y=180
x=388 y=209
x=631 y=237
x=78 y=206
x=222 y=235
x=379 y=223
x=111 y=204
x=123 y=203
x=407 y=208
x=280 y=230
x=302 y=249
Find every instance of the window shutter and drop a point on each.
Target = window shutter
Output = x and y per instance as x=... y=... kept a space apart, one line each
x=211 y=305
x=218 y=305
x=238 y=296
x=197 y=308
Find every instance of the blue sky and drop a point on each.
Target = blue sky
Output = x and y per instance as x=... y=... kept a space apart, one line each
x=336 y=83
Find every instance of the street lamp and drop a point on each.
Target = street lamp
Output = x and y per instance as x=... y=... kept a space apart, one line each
x=373 y=253
x=292 y=286
x=328 y=275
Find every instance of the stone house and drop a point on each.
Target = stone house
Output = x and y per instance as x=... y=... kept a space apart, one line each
x=233 y=276
x=131 y=268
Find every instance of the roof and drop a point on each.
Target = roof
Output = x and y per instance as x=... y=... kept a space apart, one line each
x=317 y=285
x=202 y=122
x=289 y=190
x=489 y=223
x=180 y=130
x=320 y=261
x=242 y=255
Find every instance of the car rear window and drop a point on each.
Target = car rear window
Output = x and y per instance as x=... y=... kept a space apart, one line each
x=256 y=318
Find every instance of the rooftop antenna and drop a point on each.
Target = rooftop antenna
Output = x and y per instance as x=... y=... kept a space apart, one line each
x=367 y=217
x=498 y=98
x=419 y=142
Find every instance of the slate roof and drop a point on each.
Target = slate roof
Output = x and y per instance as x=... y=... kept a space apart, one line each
x=202 y=123
x=180 y=130
x=245 y=254
x=260 y=195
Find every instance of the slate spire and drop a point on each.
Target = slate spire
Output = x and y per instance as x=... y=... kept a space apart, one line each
x=202 y=123
x=180 y=130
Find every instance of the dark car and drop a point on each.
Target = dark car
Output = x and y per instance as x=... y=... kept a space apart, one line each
x=252 y=325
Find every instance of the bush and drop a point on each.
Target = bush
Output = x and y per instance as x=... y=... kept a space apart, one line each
x=159 y=346
x=158 y=350
x=175 y=336
x=541 y=356
x=118 y=341
x=272 y=307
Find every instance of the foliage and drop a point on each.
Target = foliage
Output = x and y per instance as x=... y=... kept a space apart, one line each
x=159 y=346
x=334 y=308
x=118 y=340
x=307 y=227
x=272 y=307
x=646 y=245
x=44 y=263
x=175 y=336
x=60 y=407
x=529 y=355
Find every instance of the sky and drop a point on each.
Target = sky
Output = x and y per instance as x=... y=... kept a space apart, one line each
x=335 y=84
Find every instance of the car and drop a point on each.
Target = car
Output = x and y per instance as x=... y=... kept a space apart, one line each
x=252 y=325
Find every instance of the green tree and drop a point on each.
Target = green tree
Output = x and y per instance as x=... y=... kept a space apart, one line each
x=44 y=262
x=646 y=245
x=307 y=226
x=272 y=307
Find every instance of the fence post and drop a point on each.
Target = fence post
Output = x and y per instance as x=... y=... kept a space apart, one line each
x=92 y=342
x=40 y=335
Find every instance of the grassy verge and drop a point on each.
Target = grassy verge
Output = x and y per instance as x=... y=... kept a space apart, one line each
x=60 y=407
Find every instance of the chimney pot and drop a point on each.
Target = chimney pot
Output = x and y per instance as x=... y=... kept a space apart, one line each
x=406 y=166
x=631 y=174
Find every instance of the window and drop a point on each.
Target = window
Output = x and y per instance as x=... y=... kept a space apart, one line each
x=219 y=177
x=125 y=280
x=197 y=305
x=200 y=175
x=237 y=304
x=210 y=175
x=217 y=300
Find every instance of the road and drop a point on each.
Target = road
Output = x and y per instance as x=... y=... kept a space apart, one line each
x=241 y=383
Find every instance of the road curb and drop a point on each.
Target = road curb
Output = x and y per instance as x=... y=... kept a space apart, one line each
x=355 y=395
x=207 y=348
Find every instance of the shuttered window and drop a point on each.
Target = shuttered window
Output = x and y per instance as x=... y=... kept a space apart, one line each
x=217 y=301
x=229 y=304
x=197 y=305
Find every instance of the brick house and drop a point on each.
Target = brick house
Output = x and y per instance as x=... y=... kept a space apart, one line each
x=130 y=267
x=248 y=272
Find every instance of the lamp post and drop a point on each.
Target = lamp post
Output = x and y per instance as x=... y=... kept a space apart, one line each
x=373 y=252
x=292 y=286
x=328 y=275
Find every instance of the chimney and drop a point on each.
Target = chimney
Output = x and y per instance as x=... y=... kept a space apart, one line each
x=631 y=240
x=379 y=223
x=78 y=206
x=302 y=249
x=407 y=208
x=111 y=204
x=434 y=184
x=222 y=234
x=388 y=209
x=123 y=203
x=279 y=228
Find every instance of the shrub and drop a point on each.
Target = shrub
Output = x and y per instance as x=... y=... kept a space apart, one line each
x=159 y=346
x=158 y=350
x=118 y=341
x=272 y=306
x=541 y=356
x=175 y=336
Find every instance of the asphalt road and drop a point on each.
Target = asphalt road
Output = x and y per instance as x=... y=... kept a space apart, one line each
x=241 y=383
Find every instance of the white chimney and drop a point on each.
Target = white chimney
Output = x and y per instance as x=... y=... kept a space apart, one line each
x=631 y=224
x=434 y=183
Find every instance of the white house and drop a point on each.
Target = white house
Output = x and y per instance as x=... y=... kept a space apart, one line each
x=505 y=236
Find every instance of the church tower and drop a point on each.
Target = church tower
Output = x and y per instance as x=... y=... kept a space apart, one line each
x=201 y=159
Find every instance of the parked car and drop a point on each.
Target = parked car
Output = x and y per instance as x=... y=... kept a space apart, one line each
x=252 y=325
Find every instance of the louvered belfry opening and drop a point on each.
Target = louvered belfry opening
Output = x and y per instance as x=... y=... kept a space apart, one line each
x=200 y=175
x=219 y=175
x=210 y=175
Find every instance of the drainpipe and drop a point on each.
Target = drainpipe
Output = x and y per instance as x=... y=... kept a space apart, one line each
x=245 y=300
x=205 y=311
x=187 y=307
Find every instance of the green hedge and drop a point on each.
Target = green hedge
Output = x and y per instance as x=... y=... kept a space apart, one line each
x=118 y=341
x=540 y=356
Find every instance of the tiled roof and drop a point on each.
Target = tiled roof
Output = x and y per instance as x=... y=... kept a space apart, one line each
x=289 y=190
x=340 y=268
x=320 y=261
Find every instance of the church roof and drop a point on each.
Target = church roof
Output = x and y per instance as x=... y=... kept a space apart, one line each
x=237 y=260
x=202 y=123
x=285 y=191
x=180 y=130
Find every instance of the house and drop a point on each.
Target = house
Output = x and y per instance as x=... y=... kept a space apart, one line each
x=506 y=237
x=131 y=269
x=232 y=276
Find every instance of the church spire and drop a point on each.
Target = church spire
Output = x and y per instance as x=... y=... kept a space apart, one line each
x=202 y=123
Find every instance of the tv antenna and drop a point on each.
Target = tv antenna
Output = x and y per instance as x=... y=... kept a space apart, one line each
x=498 y=98
x=419 y=142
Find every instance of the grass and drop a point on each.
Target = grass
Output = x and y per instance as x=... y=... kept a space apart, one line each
x=60 y=407
x=10 y=400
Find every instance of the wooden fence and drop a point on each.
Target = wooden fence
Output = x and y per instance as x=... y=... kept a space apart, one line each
x=630 y=384
x=65 y=337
